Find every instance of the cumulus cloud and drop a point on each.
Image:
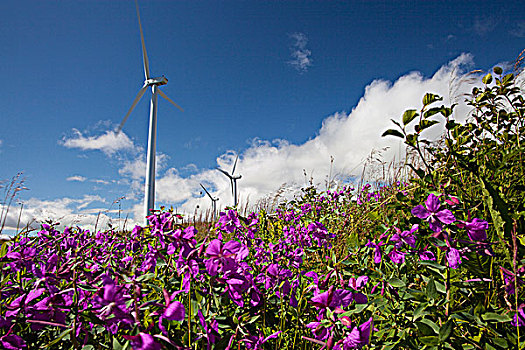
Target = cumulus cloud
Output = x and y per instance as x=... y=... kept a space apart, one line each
x=76 y=178
x=110 y=142
x=347 y=137
x=67 y=211
x=301 y=56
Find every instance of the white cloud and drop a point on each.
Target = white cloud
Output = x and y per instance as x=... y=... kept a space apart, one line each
x=110 y=142
x=301 y=56
x=66 y=211
x=100 y=181
x=347 y=137
x=76 y=178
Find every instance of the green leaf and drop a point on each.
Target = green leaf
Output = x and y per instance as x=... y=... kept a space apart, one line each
x=502 y=343
x=431 y=341
x=420 y=311
x=425 y=124
x=498 y=70
x=393 y=132
x=409 y=115
x=433 y=264
x=427 y=327
x=492 y=316
x=507 y=78
x=59 y=338
x=433 y=111
x=3 y=250
x=487 y=79
x=431 y=290
x=431 y=98
x=445 y=330
x=411 y=140
x=396 y=282
x=498 y=211
x=145 y=277
x=116 y=344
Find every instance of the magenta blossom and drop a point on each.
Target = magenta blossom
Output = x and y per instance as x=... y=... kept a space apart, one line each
x=432 y=214
x=406 y=237
x=224 y=256
x=359 y=336
x=476 y=229
x=396 y=256
x=143 y=341
x=519 y=318
x=12 y=341
x=454 y=258
x=377 y=250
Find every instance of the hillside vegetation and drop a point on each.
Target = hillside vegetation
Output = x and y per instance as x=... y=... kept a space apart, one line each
x=432 y=262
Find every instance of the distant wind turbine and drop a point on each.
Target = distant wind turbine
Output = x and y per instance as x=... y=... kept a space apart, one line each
x=154 y=83
x=233 y=180
x=213 y=202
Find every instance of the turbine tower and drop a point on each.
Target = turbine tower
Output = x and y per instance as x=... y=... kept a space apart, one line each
x=213 y=202
x=154 y=83
x=233 y=180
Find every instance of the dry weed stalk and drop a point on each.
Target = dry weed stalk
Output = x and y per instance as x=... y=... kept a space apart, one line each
x=11 y=191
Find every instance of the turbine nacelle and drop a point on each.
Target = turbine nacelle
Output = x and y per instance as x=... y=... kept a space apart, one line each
x=156 y=81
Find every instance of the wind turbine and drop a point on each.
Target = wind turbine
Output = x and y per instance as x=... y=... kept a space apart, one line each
x=154 y=83
x=213 y=201
x=233 y=180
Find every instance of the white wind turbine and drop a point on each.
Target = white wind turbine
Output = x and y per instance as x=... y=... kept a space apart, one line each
x=154 y=83
x=233 y=180
x=213 y=202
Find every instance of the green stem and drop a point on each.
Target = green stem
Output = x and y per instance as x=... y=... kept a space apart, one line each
x=189 y=318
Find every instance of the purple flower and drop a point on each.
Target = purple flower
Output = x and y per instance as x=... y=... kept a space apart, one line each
x=332 y=298
x=476 y=229
x=508 y=278
x=377 y=252
x=432 y=214
x=221 y=256
x=319 y=331
x=357 y=284
x=111 y=300
x=256 y=342
x=396 y=256
x=454 y=258
x=519 y=318
x=12 y=341
x=427 y=255
x=212 y=331
x=406 y=237
x=228 y=221
x=143 y=341
x=359 y=336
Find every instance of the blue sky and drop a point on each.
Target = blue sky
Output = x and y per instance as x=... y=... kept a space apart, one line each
x=276 y=82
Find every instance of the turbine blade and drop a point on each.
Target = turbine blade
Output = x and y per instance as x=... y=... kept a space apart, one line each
x=235 y=164
x=205 y=190
x=231 y=181
x=144 y=53
x=224 y=172
x=135 y=101
x=169 y=99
